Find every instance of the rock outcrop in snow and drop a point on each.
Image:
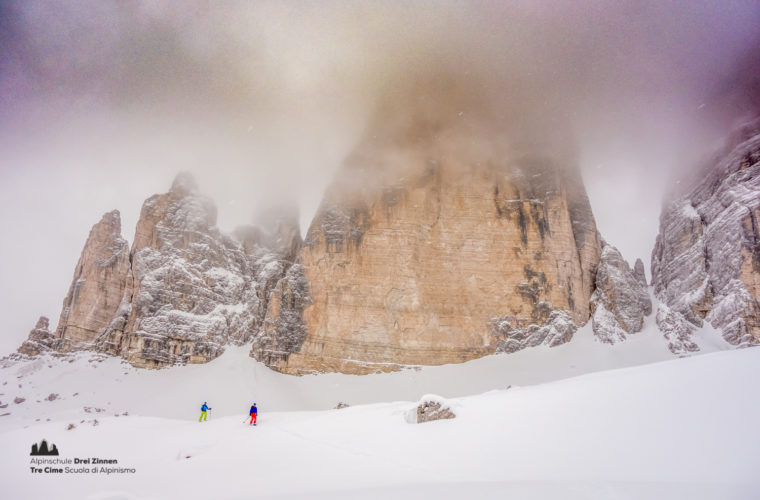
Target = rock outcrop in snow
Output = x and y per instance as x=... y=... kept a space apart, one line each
x=706 y=261
x=429 y=409
x=620 y=301
x=433 y=410
x=40 y=339
x=515 y=334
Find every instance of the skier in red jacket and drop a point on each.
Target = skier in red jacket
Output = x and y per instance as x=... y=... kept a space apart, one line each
x=254 y=413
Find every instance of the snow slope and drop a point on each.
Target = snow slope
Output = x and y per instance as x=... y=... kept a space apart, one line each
x=234 y=380
x=684 y=428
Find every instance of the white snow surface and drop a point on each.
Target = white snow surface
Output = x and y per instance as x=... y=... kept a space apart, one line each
x=536 y=424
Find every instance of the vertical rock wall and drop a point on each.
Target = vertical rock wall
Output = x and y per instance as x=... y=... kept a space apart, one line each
x=100 y=280
x=437 y=245
x=706 y=261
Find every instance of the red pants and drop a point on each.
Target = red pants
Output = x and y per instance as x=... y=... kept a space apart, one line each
x=253 y=418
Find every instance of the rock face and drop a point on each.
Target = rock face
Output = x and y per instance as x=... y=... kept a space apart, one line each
x=182 y=293
x=515 y=333
x=186 y=284
x=439 y=241
x=192 y=289
x=620 y=301
x=422 y=253
x=436 y=244
x=99 y=283
x=639 y=273
x=706 y=261
x=284 y=331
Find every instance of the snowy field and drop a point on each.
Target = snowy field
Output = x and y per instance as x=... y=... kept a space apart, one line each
x=671 y=429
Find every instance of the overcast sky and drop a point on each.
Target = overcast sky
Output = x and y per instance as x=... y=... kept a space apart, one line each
x=102 y=103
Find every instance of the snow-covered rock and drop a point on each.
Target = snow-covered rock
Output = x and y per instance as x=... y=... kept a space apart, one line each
x=677 y=330
x=620 y=301
x=283 y=331
x=706 y=261
x=430 y=408
x=183 y=292
x=639 y=273
x=40 y=338
x=190 y=289
x=515 y=334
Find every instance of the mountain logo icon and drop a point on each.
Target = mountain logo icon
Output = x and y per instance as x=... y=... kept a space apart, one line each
x=43 y=449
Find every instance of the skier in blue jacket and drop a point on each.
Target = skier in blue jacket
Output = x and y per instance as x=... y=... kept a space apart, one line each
x=204 y=412
x=254 y=413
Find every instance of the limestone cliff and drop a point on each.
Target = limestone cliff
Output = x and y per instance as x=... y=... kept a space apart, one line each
x=183 y=292
x=100 y=280
x=706 y=261
x=438 y=242
x=444 y=237
x=192 y=290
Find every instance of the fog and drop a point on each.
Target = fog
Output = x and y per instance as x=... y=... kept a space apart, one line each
x=101 y=104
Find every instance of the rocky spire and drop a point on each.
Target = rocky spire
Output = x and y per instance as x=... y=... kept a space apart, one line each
x=620 y=301
x=639 y=273
x=40 y=339
x=100 y=278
